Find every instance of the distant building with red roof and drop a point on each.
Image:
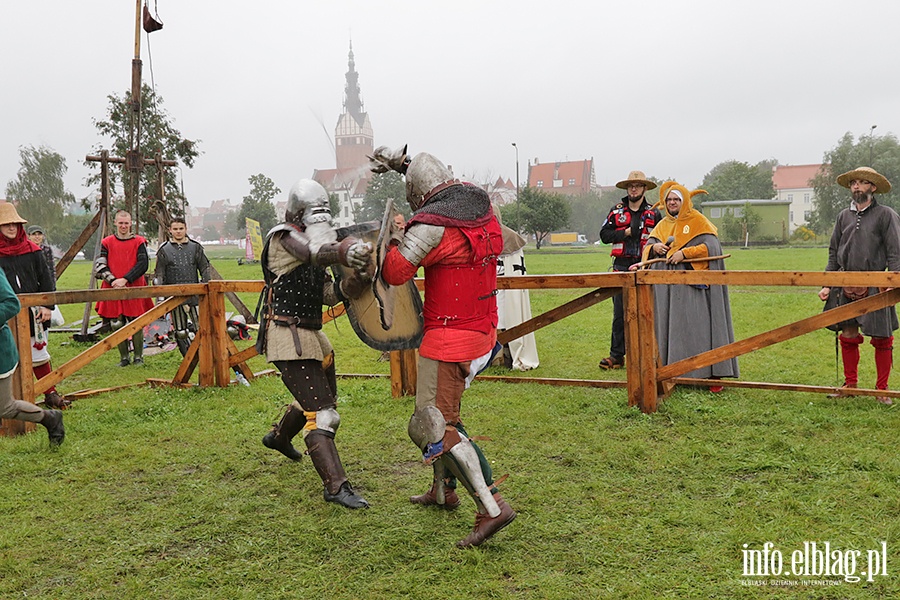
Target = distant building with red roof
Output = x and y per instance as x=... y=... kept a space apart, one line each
x=793 y=183
x=571 y=178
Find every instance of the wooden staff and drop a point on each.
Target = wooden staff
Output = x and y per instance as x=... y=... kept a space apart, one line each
x=653 y=261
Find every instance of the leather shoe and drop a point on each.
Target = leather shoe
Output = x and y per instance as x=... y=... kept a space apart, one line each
x=486 y=526
x=124 y=362
x=429 y=498
x=270 y=440
x=612 y=363
x=54 y=400
x=839 y=394
x=345 y=496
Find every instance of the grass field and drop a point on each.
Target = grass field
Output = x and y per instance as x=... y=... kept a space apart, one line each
x=161 y=493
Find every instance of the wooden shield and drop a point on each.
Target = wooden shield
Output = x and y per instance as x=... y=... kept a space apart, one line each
x=384 y=317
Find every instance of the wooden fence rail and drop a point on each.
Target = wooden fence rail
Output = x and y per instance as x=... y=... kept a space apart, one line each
x=216 y=355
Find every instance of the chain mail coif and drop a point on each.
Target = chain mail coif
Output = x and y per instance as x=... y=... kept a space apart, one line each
x=463 y=202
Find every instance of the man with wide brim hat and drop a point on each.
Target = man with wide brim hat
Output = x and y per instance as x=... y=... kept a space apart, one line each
x=865 y=174
x=636 y=177
x=627 y=227
x=866 y=237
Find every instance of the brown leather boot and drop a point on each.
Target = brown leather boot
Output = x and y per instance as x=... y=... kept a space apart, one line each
x=429 y=498
x=486 y=526
x=325 y=459
x=281 y=435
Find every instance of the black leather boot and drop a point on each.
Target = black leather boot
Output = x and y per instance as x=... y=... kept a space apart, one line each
x=324 y=456
x=281 y=435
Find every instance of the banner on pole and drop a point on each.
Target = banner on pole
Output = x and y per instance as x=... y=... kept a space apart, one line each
x=254 y=240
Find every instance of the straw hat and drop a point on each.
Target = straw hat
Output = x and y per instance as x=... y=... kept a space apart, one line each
x=882 y=185
x=8 y=214
x=636 y=177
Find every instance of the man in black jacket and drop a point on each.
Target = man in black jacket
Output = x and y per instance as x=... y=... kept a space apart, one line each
x=627 y=227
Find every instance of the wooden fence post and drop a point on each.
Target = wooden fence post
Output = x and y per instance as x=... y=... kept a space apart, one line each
x=632 y=345
x=219 y=330
x=648 y=351
x=206 y=376
x=404 y=373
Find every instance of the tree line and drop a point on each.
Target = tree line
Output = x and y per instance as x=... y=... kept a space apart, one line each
x=39 y=190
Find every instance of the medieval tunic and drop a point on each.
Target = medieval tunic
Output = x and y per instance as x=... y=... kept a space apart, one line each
x=181 y=263
x=865 y=240
x=280 y=345
x=451 y=335
x=125 y=259
x=691 y=319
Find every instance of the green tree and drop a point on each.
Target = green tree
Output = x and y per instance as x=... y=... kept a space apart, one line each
x=210 y=233
x=69 y=229
x=735 y=180
x=334 y=203
x=382 y=187
x=881 y=153
x=234 y=226
x=737 y=227
x=542 y=212
x=258 y=204
x=39 y=189
x=158 y=134
x=587 y=214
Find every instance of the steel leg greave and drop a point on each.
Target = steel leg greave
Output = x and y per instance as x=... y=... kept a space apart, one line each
x=464 y=463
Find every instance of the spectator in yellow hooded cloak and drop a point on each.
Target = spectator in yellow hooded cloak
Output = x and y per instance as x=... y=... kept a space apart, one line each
x=690 y=319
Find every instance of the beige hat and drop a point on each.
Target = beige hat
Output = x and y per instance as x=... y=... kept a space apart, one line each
x=8 y=214
x=882 y=185
x=636 y=177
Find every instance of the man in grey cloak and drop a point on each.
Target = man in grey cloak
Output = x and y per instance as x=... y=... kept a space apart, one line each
x=866 y=237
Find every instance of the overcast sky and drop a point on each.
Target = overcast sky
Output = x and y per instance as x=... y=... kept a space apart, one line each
x=666 y=86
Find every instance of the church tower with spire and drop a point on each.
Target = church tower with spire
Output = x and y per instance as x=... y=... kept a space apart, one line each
x=354 y=141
